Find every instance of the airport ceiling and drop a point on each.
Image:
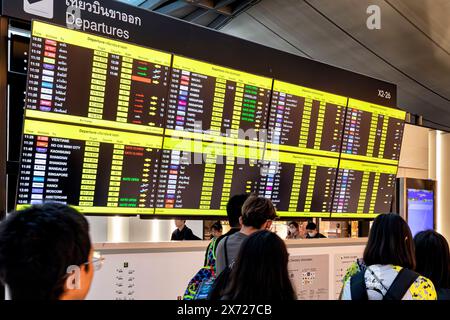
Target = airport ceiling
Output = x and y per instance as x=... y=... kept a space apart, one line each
x=412 y=48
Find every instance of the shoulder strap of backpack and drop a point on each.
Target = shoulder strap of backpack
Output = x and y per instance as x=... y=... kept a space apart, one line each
x=358 y=286
x=213 y=248
x=401 y=284
x=226 y=251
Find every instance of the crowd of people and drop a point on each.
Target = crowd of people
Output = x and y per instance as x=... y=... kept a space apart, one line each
x=46 y=254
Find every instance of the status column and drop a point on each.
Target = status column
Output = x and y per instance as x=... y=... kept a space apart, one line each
x=98 y=83
x=249 y=105
x=145 y=180
x=88 y=179
x=124 y=90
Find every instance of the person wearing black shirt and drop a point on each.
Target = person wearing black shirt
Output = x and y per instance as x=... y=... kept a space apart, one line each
x=183 y=232
x=234 y=211
x=311 y=231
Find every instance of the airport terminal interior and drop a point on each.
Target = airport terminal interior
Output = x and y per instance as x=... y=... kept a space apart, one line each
x=147 y=117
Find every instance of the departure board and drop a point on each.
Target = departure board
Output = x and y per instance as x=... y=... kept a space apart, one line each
x=299 y=185
x=198 y=177
x=306 y=120
x=97 y=171
x=112 y=128
x=207 y=101
x=94 y=122
x=363 y=189
x=85 y=79
x=372 y=133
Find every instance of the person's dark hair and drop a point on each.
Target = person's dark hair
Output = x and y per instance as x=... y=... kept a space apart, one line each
x=234 y=209
x=433 y=258
x=311 y=226
x=390 y=242
x=295 y=224
x=217 y=226
x=261 y=270
x=256 y=211
x=37 y=245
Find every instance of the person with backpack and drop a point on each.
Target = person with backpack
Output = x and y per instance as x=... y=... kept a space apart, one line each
x=200 y=285
x=257 y=214
x=234 y=212
x=210 y=254
x=433 y=261
x=261 y=270
x=386 y=272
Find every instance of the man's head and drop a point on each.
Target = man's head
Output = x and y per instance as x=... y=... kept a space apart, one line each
x=258 y=213
x=216 y=229
x=179 y=223
x=234 y=209
x=293 y=227
x=38 y=245
x=311 y=229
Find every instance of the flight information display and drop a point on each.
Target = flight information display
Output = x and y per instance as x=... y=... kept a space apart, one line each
x=207 y=101
x=306 y=120
x=96 y=170
x=115 y=128
x=363 y=189
x=372 y=133
x=198 y=177
x=298 y=184
x=85 y=79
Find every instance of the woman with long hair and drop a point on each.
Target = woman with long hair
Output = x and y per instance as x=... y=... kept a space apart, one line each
x=433 y=261
x=389 y=260
x=261 y=270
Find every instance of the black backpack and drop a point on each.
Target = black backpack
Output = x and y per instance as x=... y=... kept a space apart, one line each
x=217 y=290
x=397 y=290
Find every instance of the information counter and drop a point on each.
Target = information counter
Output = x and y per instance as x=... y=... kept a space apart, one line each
x=162 y=270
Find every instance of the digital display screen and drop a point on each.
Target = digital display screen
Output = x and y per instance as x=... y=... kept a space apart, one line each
x=363 y=189
x=93 y=129
x=420 y=210
x=298 y=184
x=96 y=170
x=372 y=133
x=89 y=80
x=198 y=178
x=216 y=101
x=306 y=120
x=114 y=128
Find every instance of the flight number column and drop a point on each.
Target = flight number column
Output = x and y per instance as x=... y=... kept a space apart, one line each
x=116 y=175
x=306 y=119
x=320 y=122
x=124 y=89
x=293 y=202
x=98 y=83
x=89 y=176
